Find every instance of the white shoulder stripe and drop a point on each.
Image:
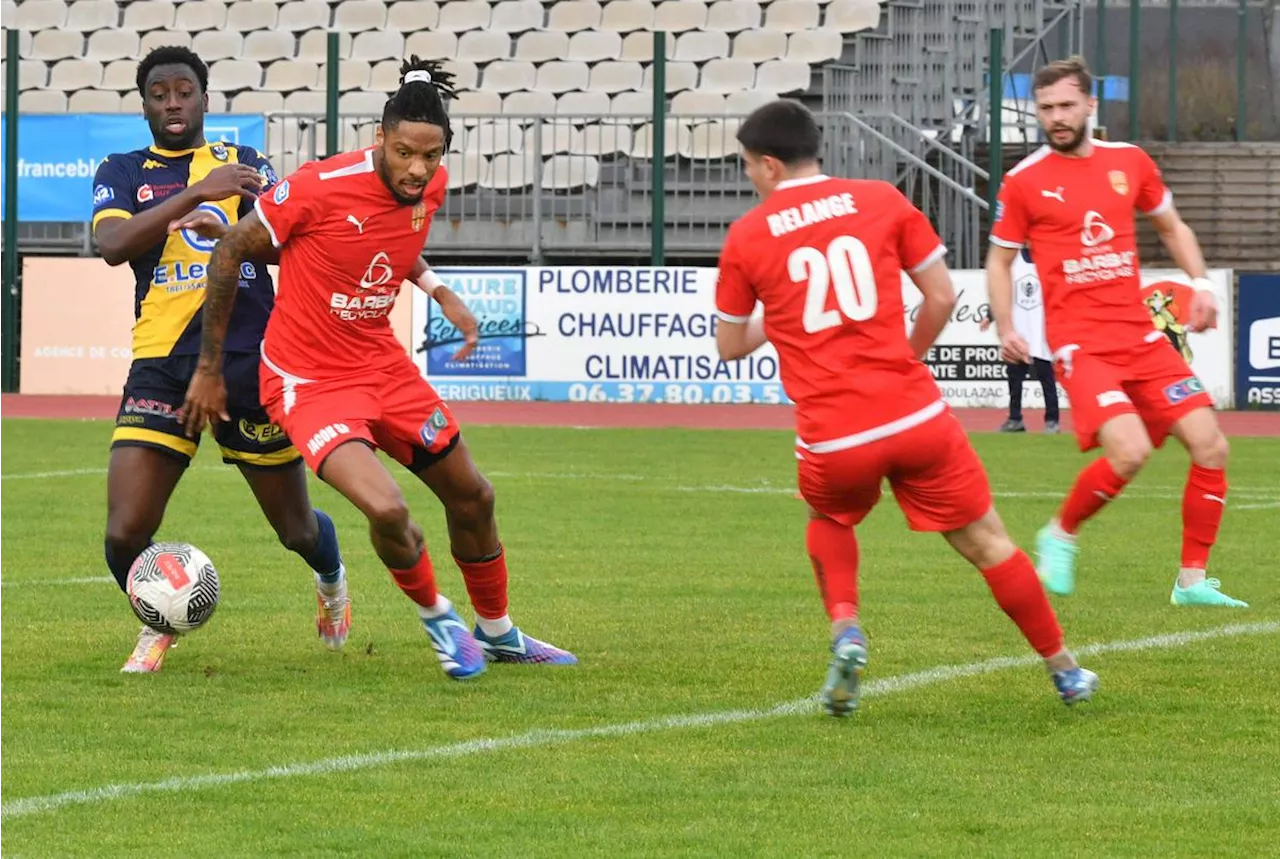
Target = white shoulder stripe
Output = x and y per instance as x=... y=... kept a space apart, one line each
x=1034 y=158
x=1113 y=144
x=357 y=169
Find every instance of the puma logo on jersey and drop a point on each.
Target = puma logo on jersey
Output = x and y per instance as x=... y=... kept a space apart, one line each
x=1054 y=195
x=359 y=224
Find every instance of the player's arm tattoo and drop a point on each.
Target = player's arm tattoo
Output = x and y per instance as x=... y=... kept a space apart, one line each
x=247 y=240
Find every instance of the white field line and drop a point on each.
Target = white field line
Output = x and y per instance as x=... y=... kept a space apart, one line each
x=1157 y=493
x=1270 y=505
x=87 y=580
x=554 y=737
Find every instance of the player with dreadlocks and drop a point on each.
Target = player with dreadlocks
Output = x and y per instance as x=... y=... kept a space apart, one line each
x=350 y=230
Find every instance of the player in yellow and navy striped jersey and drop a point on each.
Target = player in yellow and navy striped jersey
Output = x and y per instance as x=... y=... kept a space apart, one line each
x=162 y=209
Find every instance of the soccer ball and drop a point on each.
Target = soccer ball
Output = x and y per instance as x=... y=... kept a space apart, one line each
x=173 y=587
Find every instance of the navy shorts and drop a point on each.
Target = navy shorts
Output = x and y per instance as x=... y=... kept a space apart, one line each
x=151 y=407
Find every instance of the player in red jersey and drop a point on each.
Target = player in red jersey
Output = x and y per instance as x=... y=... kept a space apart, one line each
x=350 y=229
x=1072 y=202
x=825 y=257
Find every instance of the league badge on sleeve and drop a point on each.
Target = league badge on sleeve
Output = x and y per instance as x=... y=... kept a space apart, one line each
x=282 y=193
x=103 y=194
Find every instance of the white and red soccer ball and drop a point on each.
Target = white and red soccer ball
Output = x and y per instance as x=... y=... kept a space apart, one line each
x=173 y=587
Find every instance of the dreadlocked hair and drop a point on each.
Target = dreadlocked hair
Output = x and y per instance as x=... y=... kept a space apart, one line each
x=424 y=86
x=172 y=55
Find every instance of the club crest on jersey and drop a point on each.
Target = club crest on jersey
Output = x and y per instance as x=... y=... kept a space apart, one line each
x=419 y=216
x=219 y=151
x=1119 y=182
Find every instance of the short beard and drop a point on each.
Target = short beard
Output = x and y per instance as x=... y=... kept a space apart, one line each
x=399 y=198
x=1071 y=145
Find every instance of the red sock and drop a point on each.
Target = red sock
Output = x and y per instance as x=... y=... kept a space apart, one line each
x=486 y=584
x=1014 y=585
x=833 y=551
x=1203 y=503
x=1095 y=486
x=418 y=582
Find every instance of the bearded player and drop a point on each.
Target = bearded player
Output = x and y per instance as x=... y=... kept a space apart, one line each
x=350 y=229
x=1072 y=203
x=825 y=257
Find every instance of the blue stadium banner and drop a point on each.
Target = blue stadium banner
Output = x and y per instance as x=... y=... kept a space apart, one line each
x=1258 y=343
x=59 y=153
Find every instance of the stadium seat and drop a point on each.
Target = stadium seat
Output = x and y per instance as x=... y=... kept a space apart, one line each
x=356 y=16
x=747 y=101
x=507 y=76
x=144 y=15
x=475 y=103
x=377 y=45
x=247 y=15
x=516 y=16
x=362 y=104
x=732 y=16
x=540 y=46
x=105 y=45
x=36 y=15
x=602 y=141
x=815 y=46
x=593 y=46
x=301 y=16
x=562 y=76
x=306 y=102
x=484 y=46
x=459 y=16
x=313 y=45
x=234 y=75
x=851 y=16
x=120 y=76
x=697 y=103
x=431 y=45
x=25 y=39
x=68 y=75
x=698 y=46
x=679 y=16
x=465 y=169
x=258 y=102
x=570 y=173
x=642 y=141
x=549 y=138
x=711 y=141
x=790 y=16
x=759 y=46
x=611 y=77
x=631 y=107
x=725 y=76
x=195 y=15
x=529 y=103
x=413 y=15
x=574 y=15
x=584 y=106
x=291 y=75
x=680 y=76
x=160 y=38
x=89 y=15
x=42 y=101
x=94 y=101
x=510 y=172
x=466 y=74
x=352 y=74
x=625 y=16
x=214 y=45
x=493 y=138
x=131 y=102
x=32 y=74
x=784 y=76
x=56 y=45
x=268 y=46
x=638 y=46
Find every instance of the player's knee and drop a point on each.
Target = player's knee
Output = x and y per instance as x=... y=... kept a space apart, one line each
x=125 y=539
x=1213 y=452
x=299 y=535
x=388 y=516
x=1128 y=456
x=475 y=506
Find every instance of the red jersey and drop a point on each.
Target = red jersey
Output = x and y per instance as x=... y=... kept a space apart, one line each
x=825 y=257
x=1076 y=214
x=346 y=246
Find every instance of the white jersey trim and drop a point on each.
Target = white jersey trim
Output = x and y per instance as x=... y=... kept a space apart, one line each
x=357 y=169
x=1034 y=158
x=1005 y=243
x=729 y=317
x=883 y=431
x=936 y=254
x=800 y=183
x=262 y=216
x=1165 y=204
x=283 y=374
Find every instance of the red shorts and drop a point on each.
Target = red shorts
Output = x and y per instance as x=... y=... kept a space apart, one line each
x=391 y=408
x=935 y=475
x=1153 y=381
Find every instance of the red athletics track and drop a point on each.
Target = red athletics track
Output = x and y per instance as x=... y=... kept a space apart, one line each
x=617 y=415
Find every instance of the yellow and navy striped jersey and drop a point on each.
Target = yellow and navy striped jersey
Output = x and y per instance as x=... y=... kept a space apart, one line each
x=171 y=276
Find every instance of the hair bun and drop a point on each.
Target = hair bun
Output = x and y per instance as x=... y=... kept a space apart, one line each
x=421 y=75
